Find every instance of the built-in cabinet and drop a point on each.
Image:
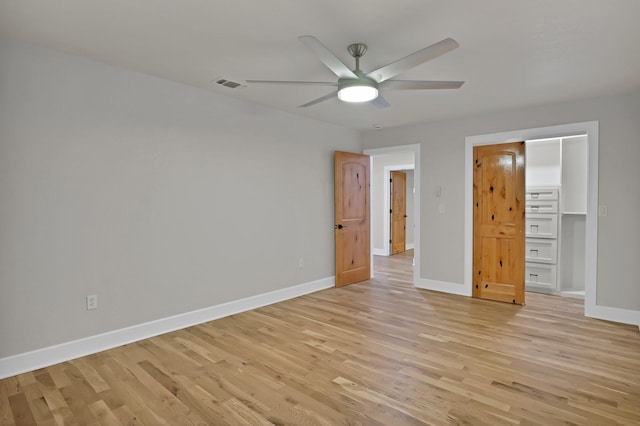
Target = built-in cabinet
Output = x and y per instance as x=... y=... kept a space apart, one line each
x=555 y=211
x=541 y=238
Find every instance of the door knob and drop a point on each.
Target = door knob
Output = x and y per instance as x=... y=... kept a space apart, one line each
x=338 y=227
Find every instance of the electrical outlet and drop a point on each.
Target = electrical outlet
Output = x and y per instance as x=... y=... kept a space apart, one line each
x=92 y=302
x=603 y=210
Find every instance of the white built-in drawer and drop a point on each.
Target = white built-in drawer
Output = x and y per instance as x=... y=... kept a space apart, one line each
x=534 y=194
x=541 y=207
x=540 y=275
x=541 y=225
x=540 y=250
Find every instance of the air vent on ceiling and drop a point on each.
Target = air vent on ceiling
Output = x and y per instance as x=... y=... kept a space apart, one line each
x=228 y=83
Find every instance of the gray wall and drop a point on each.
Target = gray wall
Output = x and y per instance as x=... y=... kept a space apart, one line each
x=158 y=197
x=442 y=163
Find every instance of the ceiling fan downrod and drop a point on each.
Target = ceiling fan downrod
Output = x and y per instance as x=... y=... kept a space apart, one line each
x=357 y=50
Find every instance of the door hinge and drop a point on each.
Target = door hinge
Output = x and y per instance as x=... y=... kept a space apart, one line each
x=390 y=210
x=389 y=241
x=390 y=180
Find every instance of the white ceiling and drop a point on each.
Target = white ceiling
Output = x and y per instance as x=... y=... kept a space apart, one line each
x=512 y=52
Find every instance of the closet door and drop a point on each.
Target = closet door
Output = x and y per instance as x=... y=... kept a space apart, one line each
x=498 y=222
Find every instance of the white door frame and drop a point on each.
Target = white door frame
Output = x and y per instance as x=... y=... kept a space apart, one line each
x=590 y=128
x=415 y=148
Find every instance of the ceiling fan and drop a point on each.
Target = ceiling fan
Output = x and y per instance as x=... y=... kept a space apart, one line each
x=356 y=86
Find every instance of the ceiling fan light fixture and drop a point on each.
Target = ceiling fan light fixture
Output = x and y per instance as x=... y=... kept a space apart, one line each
x=362 y=89
x=357 y=94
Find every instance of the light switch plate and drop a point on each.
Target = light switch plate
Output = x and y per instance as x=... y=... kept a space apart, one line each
x=92 y=302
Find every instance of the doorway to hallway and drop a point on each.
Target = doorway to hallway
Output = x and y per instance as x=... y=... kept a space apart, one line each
x=384 y=161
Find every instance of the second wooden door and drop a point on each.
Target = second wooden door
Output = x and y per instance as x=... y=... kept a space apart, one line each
x=398 y=212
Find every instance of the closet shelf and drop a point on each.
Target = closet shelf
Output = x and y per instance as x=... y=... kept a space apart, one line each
x=575 y=213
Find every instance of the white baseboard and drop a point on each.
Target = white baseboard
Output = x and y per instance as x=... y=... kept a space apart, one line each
x=443 y=286
x=410 y=246
x=29 y=361
x=625 y=316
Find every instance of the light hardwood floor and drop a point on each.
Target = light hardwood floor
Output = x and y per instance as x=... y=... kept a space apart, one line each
x=375 y=353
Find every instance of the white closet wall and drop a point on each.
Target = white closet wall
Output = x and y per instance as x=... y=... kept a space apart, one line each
x=574 y=213
x=544 y=163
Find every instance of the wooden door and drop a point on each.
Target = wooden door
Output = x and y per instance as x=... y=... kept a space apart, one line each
x=352 y=233
x=398 y=212
x=498 y=222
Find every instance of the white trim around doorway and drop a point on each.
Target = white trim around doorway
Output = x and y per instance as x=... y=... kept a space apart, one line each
x=415 y=148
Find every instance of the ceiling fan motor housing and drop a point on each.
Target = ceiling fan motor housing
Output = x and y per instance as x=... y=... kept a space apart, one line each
x=362 y=80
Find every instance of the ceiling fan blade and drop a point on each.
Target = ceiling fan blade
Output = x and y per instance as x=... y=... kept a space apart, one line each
x=421 y=85
x=330 y=60
x=380 y=102
x=293 y=83
x=320 y=99
x=416 y=58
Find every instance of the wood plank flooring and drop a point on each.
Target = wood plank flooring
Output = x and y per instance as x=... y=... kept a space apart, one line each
x=375 y=353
